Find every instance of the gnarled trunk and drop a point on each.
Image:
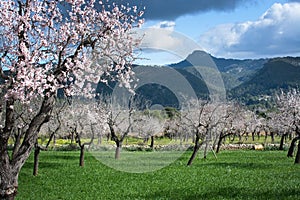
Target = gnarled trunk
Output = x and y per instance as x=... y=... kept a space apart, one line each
x=282 y=141
x=205 y=149
x=82 y=146
x=221 y=137
x=195 y=150
x=81 y=160
x=118 y=151
x=272 y=137
x=10 y=166
x=9 y=172
x=292 y=147
x=8 y=181
x=152 y=142
x=253 y=136
x=297 y=159
x=99 y=139
x=37 y=151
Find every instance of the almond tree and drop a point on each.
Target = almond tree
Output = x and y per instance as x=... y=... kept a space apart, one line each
x=120 y=122
x=44 y=44
x=81 y=118
x=281 y=125
x=202 y=117
x=147 y=125
x=289 y=107
x=233 y=125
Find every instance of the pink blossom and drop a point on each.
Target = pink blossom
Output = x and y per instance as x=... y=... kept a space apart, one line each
x=41 y=42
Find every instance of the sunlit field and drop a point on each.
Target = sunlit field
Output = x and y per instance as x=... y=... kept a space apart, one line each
x=233 y=175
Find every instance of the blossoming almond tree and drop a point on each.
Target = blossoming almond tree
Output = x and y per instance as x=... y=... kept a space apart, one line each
x=289 y=106
x=120 y=121
x=84 y=119
x=202 y=118
x=44 y=44
x=147 y=125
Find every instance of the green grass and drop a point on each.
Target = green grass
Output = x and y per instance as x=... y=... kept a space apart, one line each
x=138 y=161
x=234 y=175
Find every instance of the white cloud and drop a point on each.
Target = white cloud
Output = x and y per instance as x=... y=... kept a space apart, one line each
x=158 y=42
x=275 y=33
x=169 y=25
x=160 y=39
x=160 y=36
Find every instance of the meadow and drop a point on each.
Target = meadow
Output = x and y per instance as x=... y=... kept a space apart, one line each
x=242 y=174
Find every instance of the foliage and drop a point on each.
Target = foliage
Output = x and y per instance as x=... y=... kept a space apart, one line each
x=68 y=147
x=234 y=175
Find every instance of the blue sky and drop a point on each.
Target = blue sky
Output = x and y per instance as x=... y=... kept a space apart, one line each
x=227 y=28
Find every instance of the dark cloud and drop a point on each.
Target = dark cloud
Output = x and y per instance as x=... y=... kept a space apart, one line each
x=172 y=9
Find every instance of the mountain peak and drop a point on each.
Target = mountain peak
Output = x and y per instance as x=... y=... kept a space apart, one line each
x=197 y=56
x=197 y=53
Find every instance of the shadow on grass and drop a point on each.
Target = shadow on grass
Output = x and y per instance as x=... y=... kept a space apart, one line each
x=223 y=193
x=45 y=165
x=237 y=165
x=58 y=157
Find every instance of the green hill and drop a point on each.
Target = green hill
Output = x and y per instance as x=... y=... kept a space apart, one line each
x=279 y=73
x=234 y=71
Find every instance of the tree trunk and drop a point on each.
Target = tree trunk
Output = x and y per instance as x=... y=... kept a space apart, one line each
x=118 y=151
x=290 y=136
x=272 y=137
x=233 y=137
x=205 y=149
x=193 y=139
x=8 y=181
x=292 y=147
x=282 y=142
x=54 y=140
x=186 y=138
x=219 y=143
x=99 y=139
x=152 y=142
x=266 y=137
x=10 y=166
x=72 y=137
x=195 y=151
x=37 y=151
x=297 y=159
x=81 y=159
x=240 y=138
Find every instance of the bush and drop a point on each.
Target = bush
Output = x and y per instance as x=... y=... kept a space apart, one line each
x=274 y=147
x=69 y=147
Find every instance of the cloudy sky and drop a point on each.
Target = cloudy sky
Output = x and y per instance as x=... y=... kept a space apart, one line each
x=225 y=28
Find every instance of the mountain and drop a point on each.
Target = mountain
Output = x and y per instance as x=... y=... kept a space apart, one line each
x=247 y=80
x=234 y=71
x=276 y=74
x=158 y=94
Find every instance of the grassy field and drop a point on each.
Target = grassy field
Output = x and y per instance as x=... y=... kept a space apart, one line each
x=234 y=175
